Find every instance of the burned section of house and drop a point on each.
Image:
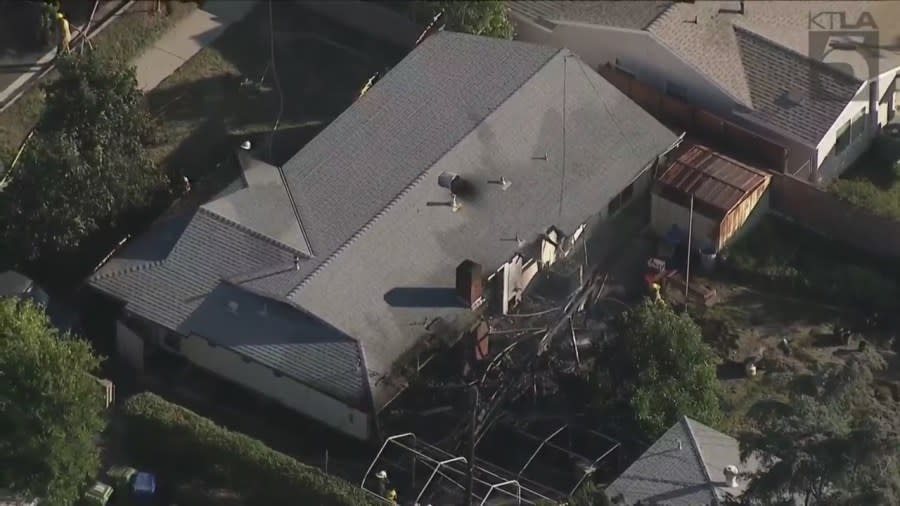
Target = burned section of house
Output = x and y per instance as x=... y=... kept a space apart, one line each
x=436 y=196
x=710 y=195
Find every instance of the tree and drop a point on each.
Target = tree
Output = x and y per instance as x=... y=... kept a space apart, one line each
x=86 y=164
x=661 y=368
x=828 y=443
x=51 y=409
x=489 y=17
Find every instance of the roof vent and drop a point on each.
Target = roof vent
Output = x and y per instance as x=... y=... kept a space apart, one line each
x=264 y=311
x=679 y=445
x=296 y=263
x=731 y=476
x=449 y=181
x=503 y=182
x=246 y=145
x=232 y=307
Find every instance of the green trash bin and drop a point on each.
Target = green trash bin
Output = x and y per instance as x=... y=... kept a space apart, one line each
x=98 y=495
x=121 y=476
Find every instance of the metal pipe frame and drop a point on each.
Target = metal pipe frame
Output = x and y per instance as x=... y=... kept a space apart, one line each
x=431 y=477
x=378 y=455
x=510 y=482
x=593 y=464
x=539 y=448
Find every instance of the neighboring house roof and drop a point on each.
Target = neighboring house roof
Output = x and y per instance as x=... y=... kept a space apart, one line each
x=631 y=15
x=713 y=179
x=684 y=467
x=758 y=55
x=376 y=245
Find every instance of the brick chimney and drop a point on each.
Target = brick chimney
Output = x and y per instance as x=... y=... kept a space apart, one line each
x=469 y=286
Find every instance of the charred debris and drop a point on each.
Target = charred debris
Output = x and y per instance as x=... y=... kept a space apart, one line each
x=506 y=403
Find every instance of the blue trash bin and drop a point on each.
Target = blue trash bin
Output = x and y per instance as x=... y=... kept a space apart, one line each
x=143 y=487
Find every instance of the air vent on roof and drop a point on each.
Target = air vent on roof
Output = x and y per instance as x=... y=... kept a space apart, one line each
x=449 y=181
x=733 y=8
x=232 y=307
x=790 y=98
x=503 y=182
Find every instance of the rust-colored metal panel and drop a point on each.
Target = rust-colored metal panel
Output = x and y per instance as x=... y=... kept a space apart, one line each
x=712 y=178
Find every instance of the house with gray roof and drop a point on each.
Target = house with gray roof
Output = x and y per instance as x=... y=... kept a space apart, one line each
x=687 y=466
x=819 y=78
x=314 y=282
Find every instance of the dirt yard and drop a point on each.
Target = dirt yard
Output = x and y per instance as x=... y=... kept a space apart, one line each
x=745 y=324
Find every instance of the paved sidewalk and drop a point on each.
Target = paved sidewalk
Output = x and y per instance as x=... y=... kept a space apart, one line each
x=191 y=34
x=17 y=69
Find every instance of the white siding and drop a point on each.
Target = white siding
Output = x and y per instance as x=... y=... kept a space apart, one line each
x=832 y=164
x=286 y=391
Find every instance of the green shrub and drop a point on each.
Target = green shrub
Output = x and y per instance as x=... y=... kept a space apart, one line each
x=182 y=444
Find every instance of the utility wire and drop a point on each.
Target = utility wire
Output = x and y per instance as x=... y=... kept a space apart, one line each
x=562 y=179
x=276 y=80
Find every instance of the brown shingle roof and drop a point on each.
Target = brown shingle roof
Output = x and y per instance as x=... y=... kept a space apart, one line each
x=712 y=178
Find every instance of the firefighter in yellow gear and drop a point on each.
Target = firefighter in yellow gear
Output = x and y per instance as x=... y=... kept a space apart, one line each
x=392 y=496
x=65 y=33
x=657 y=295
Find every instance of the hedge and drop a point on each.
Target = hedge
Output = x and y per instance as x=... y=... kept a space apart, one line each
x=184 y=445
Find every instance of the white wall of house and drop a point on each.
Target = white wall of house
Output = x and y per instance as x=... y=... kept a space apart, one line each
x=664 y=213
x=636 y=51
x=285 y=390
x=834 y=159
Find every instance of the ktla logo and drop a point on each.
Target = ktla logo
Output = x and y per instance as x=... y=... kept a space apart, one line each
x=848 y=47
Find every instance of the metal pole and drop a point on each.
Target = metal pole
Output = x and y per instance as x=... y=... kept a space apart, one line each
x=574 y=343
x=687 y=272
x=326 y=460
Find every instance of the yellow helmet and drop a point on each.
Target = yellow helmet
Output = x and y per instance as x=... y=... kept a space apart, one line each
x=59 y=15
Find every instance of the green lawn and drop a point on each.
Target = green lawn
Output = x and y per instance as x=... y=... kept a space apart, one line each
x=122 y=40
x=874 y=180
x=204 y=111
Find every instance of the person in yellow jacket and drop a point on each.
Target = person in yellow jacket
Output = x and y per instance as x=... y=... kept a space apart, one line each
x=65 y=32
x=392 y=496
x=657 y=295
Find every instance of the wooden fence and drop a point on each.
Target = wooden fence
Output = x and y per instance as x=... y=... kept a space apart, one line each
x=709 y=128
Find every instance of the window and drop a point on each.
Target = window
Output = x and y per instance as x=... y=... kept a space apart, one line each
x=620 y=200
x=842 y=138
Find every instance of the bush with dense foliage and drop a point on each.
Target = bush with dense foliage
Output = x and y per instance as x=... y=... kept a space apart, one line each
x=489 y=18
x=85 y=167
x=177 y=442
x=831 y=442
x=661 y=368
x=51 y=411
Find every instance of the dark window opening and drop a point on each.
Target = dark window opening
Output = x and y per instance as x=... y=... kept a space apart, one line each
x=620 y=200
x=843 y=138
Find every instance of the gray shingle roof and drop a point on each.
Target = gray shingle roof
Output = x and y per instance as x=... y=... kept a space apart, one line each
x=790 y=91
x=734 y=50
x=684 y=467
x=185 y=290
x=632 y=15
x=479 y=107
